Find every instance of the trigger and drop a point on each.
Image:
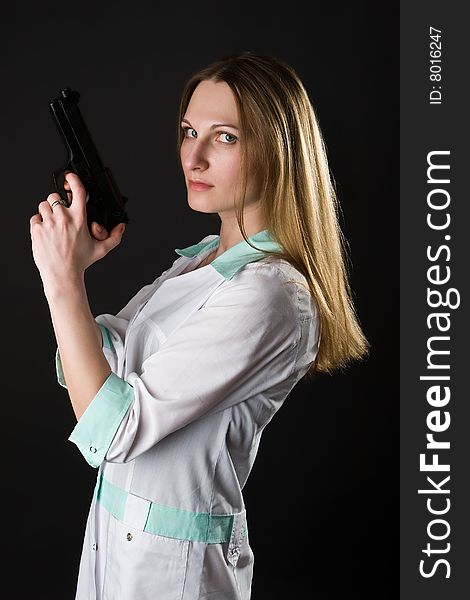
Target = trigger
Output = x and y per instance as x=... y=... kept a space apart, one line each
x=60 y=190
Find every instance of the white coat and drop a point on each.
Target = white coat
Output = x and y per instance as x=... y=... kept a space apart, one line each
x=201 y=360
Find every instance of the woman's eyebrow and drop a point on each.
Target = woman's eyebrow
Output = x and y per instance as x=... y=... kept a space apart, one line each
x=215 y=125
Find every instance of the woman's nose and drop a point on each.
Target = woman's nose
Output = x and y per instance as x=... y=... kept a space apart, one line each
x=194 y=155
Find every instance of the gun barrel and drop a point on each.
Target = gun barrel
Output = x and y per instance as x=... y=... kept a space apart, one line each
x=74 y=131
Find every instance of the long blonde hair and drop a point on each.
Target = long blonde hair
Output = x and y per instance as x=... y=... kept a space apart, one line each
x=284 y=148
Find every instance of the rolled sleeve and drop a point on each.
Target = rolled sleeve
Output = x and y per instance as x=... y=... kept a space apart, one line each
x=97 y=427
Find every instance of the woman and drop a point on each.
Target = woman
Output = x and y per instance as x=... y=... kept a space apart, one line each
x=172 y=393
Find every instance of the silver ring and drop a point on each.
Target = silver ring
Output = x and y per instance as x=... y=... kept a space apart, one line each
x=58 y=202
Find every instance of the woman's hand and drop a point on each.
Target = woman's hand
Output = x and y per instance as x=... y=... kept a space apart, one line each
x=61 y=242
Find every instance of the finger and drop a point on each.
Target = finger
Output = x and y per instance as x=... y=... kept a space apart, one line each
x=67 y=189
x=55 y=208
x=44 y=207
x=98 y=231
x=35 y=219
x=114 y=238
x=78 y=190
x=53 y=198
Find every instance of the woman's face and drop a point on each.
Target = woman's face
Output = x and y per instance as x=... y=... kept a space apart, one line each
x=210 y=151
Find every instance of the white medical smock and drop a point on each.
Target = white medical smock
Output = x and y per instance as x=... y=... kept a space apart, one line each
x=201 y=360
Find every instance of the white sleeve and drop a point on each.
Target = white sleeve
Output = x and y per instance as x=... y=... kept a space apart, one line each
x=244 y=341
x=116 y=327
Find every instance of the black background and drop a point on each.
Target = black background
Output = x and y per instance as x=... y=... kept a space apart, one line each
x=322 y=499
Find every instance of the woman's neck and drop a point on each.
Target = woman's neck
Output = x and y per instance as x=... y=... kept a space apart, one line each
x=230 y=233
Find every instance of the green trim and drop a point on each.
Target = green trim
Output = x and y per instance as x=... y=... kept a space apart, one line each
x=171 y=522
x=97 y=426
x=186 y=525
x=106 y=340
x=236 y=257
x=196 y=249
x=112 y=498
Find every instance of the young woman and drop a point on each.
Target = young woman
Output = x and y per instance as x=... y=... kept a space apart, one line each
x=172 y=394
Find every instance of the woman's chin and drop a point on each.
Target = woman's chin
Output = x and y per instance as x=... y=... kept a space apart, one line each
x=199 y=206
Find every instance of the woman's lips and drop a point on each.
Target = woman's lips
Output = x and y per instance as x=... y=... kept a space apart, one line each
x=199 y=186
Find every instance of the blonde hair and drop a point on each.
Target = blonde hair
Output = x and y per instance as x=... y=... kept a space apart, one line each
x=284 y=149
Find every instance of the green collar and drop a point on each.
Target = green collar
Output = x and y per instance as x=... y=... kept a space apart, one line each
x=236 y=257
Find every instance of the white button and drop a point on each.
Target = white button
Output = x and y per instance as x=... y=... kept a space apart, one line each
x=95 y=546
x=129 y=537
x=92 y=449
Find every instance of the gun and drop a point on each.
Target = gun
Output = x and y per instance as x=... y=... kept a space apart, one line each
x=105 y=203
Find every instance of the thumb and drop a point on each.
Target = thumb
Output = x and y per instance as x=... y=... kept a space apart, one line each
x=115 y=236
x=102 y=247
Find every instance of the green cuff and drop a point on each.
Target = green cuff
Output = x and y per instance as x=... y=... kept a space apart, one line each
x=106 y=342
x=97 y=427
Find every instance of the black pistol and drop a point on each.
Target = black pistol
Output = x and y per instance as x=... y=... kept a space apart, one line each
x=105 y=203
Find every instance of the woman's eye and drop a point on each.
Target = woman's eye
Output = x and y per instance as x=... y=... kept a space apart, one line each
x=187 y=129
x=231 y=138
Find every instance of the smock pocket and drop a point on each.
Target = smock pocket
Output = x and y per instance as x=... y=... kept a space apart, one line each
x=143 y=566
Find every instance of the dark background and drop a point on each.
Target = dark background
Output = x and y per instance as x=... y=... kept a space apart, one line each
x=322 y=499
